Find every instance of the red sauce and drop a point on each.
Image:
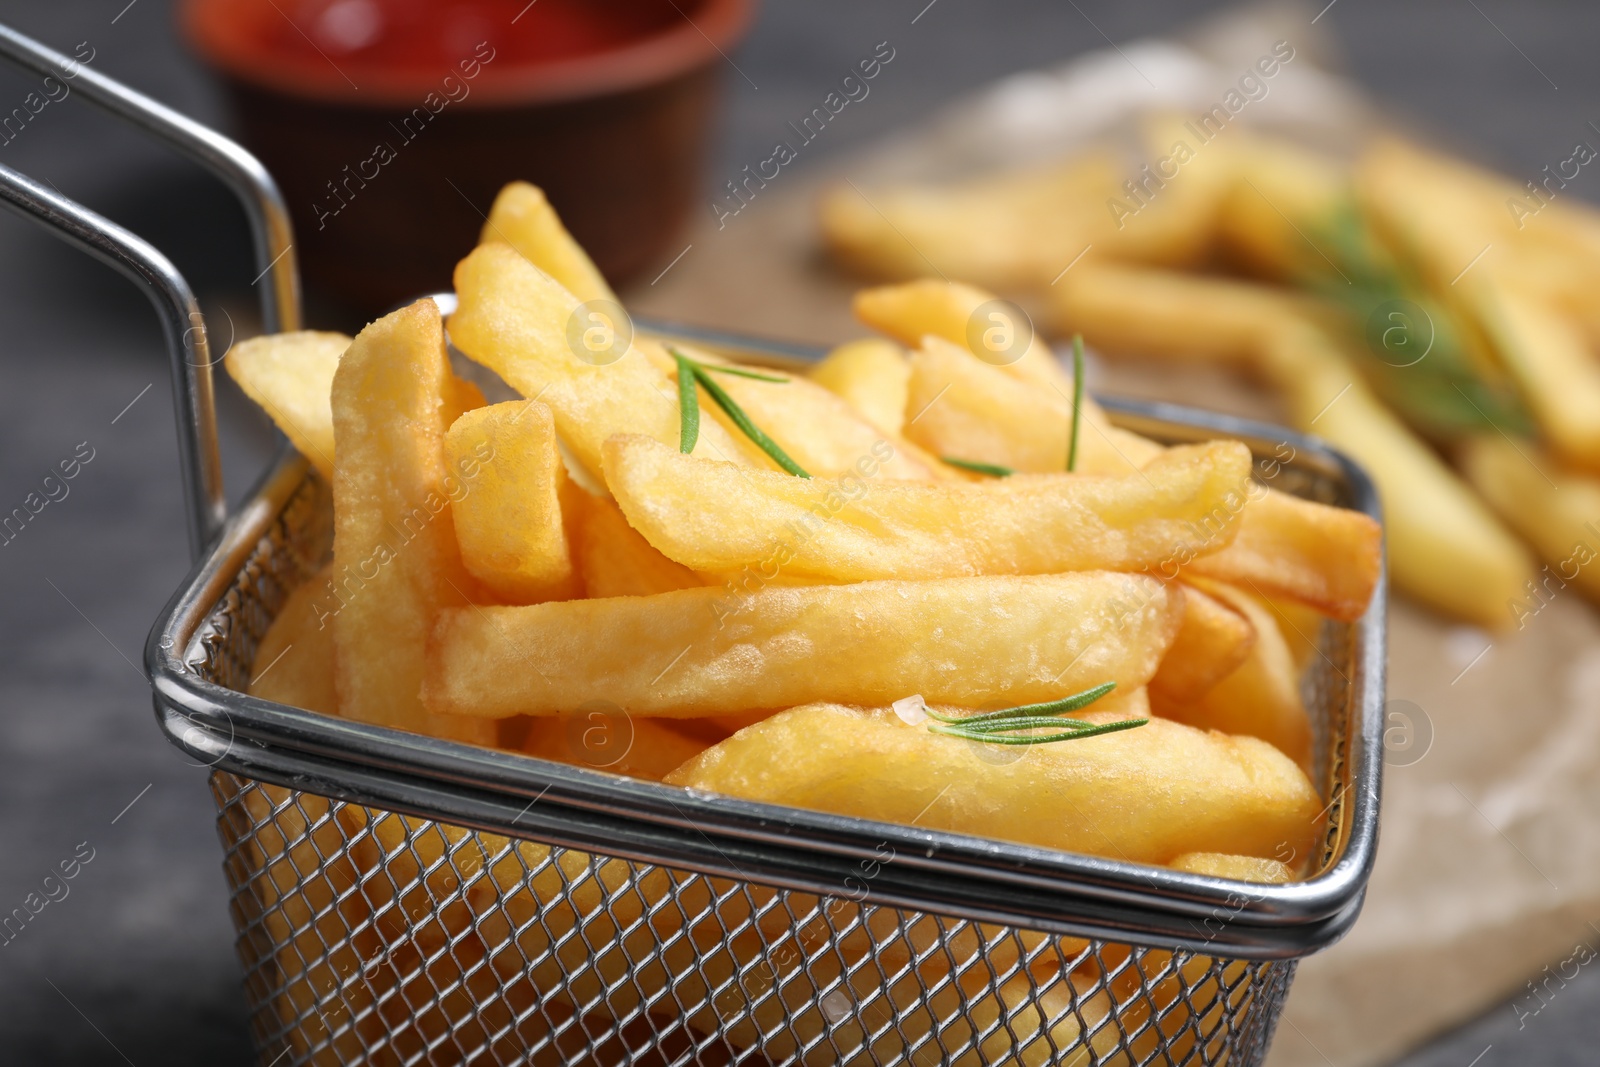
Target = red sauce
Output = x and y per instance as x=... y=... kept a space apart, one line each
x=432 y=35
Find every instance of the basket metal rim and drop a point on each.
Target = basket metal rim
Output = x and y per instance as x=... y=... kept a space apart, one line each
x=936 y=871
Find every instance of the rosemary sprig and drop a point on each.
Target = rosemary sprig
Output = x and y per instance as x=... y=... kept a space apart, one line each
x=692 y=372
x=994 y=470
x=688 y=405
x=1077 y=400
x=1008 y=726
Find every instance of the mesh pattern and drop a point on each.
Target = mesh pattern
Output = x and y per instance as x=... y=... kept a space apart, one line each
x=372 y=937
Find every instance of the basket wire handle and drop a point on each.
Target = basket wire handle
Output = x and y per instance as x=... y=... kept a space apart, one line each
x=270 y=227
x=198 y=457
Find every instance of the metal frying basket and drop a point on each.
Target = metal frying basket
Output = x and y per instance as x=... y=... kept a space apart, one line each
x=405 y=900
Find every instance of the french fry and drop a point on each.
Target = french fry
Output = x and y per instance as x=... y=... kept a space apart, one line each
x=817 y=429
x=1436 y=529
x=637 y=747
x=1259 y=699
x=965 y=316
x=514 y=318
x=872 y=376
x=394 y=551
x=960 y=407
x=294 y=661
x=523 y=218
x=1010 y=230
x=722 y=518
x=616 y=560
x=509 y=518
x=1145 y=795
x=291 y=376
x=1279 y=213
x=1212 y=642
x=1550 y=359
x=1328 y=558
x=1557 y=510
x=1164 y=314
x=698 y=652
x=1238 y=868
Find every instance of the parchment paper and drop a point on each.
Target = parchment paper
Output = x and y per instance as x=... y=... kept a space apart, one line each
x=1489 y=863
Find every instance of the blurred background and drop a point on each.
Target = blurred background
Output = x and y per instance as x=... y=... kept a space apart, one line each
x=135 y=964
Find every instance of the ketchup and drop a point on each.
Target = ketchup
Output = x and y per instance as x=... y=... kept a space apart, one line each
x=429 y=35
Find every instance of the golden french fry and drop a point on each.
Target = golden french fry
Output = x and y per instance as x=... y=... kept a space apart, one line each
x=616 y=560
x=291 y=376
x=698 y=652
x=522 y=218
x=969 y=317
x=1328 y=558
x=1009 y=230
x=721 y=518
x=1301 y=626
x=1213 y=641
x=515 y=319
x=1259 y=699
x=872 y=376
x=509 y=519
x=1170 y=209
x=294 y=661
x=1145 y=795
x=602 y=740
x=817 y=429
x=961 y=407
x=1238 y=868
x=394 y=552
x=1556 y=510
x=1550 y=359
x=1437 y=532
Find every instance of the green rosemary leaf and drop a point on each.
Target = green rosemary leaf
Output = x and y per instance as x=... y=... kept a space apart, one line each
x=1077 y=400
x=735 y=412
x=1037 y=739
x=688 y=405
x=994 y=470
x=741 y=372
x=1053 y=707
x=1036 y=722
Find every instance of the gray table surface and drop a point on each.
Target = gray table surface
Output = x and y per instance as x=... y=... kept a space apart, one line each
x=136 y=964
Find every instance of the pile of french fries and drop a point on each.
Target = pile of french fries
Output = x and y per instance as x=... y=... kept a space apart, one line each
x=1431 y=319
x=785 y=586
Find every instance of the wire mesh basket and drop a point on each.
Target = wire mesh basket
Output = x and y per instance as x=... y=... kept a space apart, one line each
x=404 y=900
x=471 y=918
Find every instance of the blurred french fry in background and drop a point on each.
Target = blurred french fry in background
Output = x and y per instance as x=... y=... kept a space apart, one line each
x=872 y=376
x=1557 y=511
x=1436 y=529
x=509 y=517
x=1002 y=231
